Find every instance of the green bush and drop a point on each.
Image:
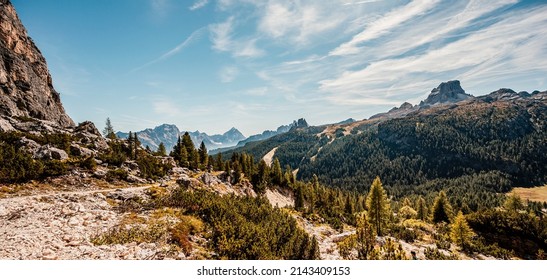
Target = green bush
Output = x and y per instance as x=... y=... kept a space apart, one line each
x=54 y=168
x=245 y=227
x=119 y=174
x=17 y=166
x=435 y=254
x=88 y=163
x=151 y=167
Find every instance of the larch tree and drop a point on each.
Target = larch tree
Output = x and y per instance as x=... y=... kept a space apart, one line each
x=299 y=200
x=365 y=239
x=513 y=203
x=378 y=206
x=421 y=209
x=442 y=211
x=460 y=232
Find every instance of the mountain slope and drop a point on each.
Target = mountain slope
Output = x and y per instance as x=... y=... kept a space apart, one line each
x=501 y=134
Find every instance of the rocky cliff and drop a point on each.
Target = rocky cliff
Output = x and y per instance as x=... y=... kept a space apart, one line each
x=26 y=88
x=447 y=92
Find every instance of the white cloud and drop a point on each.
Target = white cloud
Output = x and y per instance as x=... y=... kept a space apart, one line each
x=299 y=22
x=248 y=49
x=500 y=51
x=361 y=2
x=221 y=37
x=198 y=5
x=160 y=7
x=165 y=108
x=384 y=24
x=259 y=91
x=228 y=74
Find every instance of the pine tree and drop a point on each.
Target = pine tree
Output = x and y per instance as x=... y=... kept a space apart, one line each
x=442 y=211
x=421 y=209
x=299 y=199
x=393 y=252
x=108 y=130
x=314 y=253
x=276 y=173
x=136 y=145
x=407 y=212
x=219 y=164
x=378 y=206
x=263 y=173
x=203 y=157
x=183 y=157
x=460 y=232
x=237 y=172
x=513 y=203
x=348 y=207
x=193 y=159
x=161 y=150
x=187 y=142
x=130 y=141
x=365 y=238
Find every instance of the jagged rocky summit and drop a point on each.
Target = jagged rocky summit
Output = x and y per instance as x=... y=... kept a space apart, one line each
x=169 y=133
x=446 y=92
x=26 y=87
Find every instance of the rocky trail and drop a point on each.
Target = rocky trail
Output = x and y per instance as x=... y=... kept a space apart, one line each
x=326 y=237
x=60 y=225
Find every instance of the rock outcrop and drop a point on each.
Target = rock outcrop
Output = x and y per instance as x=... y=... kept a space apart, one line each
x=446 y=92
x=26 y=87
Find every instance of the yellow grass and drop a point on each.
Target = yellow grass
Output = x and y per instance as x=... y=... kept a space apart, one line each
x=533 y=194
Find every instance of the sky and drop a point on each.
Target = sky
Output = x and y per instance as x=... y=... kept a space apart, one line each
x=210 y=65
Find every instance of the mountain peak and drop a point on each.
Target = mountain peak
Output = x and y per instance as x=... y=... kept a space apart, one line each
x=446 y=92
x=233 y=134
x=300 y=123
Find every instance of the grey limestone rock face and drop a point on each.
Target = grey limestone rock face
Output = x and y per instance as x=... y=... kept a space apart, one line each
x=26 y=87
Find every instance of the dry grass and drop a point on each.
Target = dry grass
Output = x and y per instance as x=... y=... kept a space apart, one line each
x=533 y=194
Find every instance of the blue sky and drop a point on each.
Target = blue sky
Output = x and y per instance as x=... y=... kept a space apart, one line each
x=210 y=65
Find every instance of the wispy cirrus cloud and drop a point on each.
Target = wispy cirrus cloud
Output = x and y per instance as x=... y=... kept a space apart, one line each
x=350 y=53
x=189 y=40
x=384 y=24
x=221 y=38
x=296 y=21
x=496 y=52
x=160 y=7
x=228 y=74
x=198 y=5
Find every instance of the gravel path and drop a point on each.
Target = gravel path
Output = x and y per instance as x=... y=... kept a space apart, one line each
x=59 y=226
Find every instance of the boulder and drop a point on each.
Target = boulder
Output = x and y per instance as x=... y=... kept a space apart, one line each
x=29 y=145
x=49 y=152
x=77 y=150
x=100 y=174
x=5 y=126
x=134 y=179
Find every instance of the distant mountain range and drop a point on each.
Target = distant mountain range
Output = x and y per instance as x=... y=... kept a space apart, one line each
x=169 y=133
x=233 y=138
x=264 y=135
